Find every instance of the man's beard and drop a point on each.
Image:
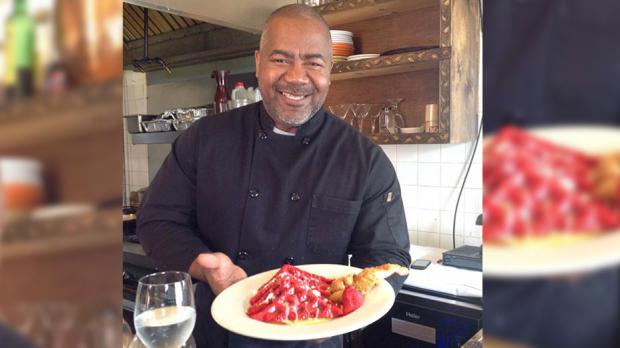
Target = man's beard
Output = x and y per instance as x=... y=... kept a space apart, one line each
x=281 y=116
x=293 y=121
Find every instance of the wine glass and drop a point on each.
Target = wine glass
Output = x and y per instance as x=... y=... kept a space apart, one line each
x=58 y=320
x=340 y=110
x=399 y=122
x=375 y=112
x=360 y=111
x=165 y=313
x=136 y=343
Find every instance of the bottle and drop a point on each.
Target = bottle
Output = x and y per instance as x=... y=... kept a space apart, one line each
x=257 y=96
x=239 y=95
x=220 y=100
x=20 y=43
x=250 y=93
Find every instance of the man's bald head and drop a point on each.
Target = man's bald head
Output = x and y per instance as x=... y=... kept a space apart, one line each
x=294 y=11
x=293 y=65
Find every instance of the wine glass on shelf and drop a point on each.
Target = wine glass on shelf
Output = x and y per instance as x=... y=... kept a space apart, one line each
x=165 y=313
x=374 y=113
x=342 y=111
x=360 y=112
x=393 y=104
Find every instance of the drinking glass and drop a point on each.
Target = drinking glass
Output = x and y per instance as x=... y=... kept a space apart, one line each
x=136 y=343
x=398 y=117
x=360 y=112
x=374 y=113
x=342 y=111
x=165 y=313
x=58 y=320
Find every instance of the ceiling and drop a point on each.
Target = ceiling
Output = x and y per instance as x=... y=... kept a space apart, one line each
x=245 y=15
x=159 y=22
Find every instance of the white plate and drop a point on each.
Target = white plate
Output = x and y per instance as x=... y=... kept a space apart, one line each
x=341 y=32
x=362 y=56
x=567 y=257
x=229 y=309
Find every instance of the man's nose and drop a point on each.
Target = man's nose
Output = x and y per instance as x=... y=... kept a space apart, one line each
x=296 y=72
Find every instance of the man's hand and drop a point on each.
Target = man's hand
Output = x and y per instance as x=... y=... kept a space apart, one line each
x=216 y=269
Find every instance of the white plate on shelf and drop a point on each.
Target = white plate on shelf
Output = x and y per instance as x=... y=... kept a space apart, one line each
x=229 y=309
x=340 y=32
x=561 y=256
x=362 y=56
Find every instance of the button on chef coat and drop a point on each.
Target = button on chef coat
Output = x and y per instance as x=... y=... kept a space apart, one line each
x=232 y=185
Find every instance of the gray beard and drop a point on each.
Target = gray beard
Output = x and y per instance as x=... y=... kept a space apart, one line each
x=293 y=122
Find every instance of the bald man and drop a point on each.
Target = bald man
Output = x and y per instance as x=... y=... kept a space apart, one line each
x=279 y=181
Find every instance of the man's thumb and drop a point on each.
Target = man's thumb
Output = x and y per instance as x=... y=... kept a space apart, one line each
x=208 y=260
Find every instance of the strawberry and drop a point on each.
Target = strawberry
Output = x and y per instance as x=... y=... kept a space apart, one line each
x=352 y=299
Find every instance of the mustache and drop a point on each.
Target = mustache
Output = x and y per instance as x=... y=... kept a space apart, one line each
x=295 y=88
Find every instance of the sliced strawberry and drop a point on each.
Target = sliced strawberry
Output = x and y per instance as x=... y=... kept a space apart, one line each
x=352 y=299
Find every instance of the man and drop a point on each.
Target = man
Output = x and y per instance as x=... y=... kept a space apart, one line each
x=276 y=182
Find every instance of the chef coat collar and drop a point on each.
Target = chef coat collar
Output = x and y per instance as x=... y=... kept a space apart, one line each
x=307 y=129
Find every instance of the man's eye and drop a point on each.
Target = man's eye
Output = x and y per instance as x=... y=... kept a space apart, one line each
x=279 y=60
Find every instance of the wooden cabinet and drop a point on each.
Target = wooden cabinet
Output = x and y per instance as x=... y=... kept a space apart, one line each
x=444 y=70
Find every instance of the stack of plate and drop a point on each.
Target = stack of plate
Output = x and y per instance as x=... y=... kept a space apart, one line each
x=342 y=44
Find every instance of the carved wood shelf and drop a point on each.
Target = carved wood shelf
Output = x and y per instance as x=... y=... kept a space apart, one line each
x=446 y=75
x=419 y=138
x=347 y=11
x=91 y=230
x=392 y=64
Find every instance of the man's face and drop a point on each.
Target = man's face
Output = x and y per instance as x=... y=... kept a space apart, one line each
x=293 y=68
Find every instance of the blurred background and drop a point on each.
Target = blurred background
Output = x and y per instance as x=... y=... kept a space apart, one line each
x=552 y=70
x=60 y=172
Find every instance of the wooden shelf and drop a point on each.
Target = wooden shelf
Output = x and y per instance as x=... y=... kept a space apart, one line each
x=82 y=232
x=347 y=11
x=48 y=119
x=392 y=64
x=77 y=136
x=445 y=75
x=155 y=138
x=418 y=138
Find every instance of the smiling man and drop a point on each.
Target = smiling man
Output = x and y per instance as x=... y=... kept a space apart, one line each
x=293 y=67
x=280 y=181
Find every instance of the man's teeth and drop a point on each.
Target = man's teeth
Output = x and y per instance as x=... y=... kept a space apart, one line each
x=292 y=96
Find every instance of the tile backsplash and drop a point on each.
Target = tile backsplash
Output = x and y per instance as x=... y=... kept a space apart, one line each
x=135 y=156
x=430 y=177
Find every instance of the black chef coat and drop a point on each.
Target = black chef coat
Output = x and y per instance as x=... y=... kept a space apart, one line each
x=232 y=185
x=10 y=339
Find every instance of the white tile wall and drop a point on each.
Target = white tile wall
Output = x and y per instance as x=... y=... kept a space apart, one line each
x=430 y=177
x=136 y=156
